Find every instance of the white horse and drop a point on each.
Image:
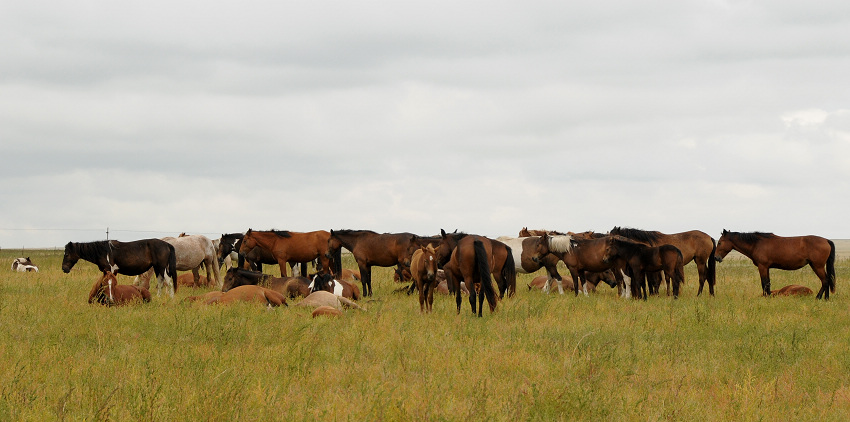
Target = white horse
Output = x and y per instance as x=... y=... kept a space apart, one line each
x=191 y=251
x=23 y=265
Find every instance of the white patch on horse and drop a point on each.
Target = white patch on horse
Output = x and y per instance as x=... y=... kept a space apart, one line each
x=337 y=287
x=561 y=243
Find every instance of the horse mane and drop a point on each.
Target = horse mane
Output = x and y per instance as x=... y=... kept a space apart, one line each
x=249 y=273
x=751 y=237
x=637 y=234
x=629 y=244
x=91 y=251
x=281 y=233
x=561 y=243
x=355 y=232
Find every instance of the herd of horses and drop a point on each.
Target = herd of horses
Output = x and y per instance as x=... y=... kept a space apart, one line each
x=637 y=261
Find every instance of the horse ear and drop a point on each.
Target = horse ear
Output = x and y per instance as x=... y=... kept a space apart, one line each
x=443 y=233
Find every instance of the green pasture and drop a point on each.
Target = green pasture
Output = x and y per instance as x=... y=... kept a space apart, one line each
x=736 y=356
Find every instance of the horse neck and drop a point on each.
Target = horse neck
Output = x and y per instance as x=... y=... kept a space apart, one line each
x=265 y=240
x=745 y=248
x=349 y=240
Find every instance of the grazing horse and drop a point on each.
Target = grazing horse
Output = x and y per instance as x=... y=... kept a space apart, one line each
x=695 y=246
x=523 y=249
x=107 y=291
x=128 y=258
x=328 y=283
x=191 y=252
x=423 y=270
x=290 y=247
x=470 y=262
x=503 y=267
x=581 y=256
x=642 y=259
x=370 y=249
x=23 y=265
x=768 y=250
x=288 y=286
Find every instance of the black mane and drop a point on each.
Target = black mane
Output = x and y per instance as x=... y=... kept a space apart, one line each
x=91 y=251
x=281 y=233
x=751 y=237
x=637 y=234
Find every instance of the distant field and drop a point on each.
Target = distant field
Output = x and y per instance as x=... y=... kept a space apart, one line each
x=736 y=356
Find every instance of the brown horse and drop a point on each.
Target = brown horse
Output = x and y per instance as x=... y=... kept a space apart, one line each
x=287 y=286
x=370 y=249
x=695 y=246
x=581 y=256
x=423 y=269
x=503 y=265
x=107 y=291
x=793 y=290
x=247 y=293
x=289 y=247
x=328 y=283
x=643 y=259
x=470 y=262
x=523 y=249
x=768 y=250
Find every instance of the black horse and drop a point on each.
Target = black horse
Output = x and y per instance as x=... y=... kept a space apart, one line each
x=128 y=258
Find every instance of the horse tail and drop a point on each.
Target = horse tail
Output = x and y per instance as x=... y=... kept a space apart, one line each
x=482 y=265
x=680 y=266
x=509 y=272
x=172 y=267
x=711 y=274
x=830 y=267
x=336 y=262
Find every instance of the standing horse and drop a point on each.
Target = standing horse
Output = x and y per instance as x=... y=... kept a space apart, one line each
x=470 y=262
x=191 y=251
x=503 y=267
x=768 y=250
x=523 y=249
x=643 y=260
x=290 y=247
x=580 y=256
x=695 y=246
x=106 y=291
x=423 y=270
x=370 y=249
x=128 y=258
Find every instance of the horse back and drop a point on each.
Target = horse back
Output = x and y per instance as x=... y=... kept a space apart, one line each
x=791 y=253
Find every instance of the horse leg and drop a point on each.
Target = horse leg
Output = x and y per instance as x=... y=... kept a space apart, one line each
x=365 y=278
x=703 y=277
x=196 y=275
x=430 y=299
x=764 y=274
x=824 y=284
x=421 y=296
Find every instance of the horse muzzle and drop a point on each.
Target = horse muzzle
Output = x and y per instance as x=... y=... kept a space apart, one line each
x=718 y=259
x=66 y=270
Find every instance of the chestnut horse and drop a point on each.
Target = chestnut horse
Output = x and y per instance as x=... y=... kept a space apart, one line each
x=503 y=267
x=107 y=291
x=287 y=286
x=128 y=258
x=423 y=270
x=470 y=262
x=289 y=247
x=370 y=249
x=695 y=246
x=768 y=250
x=643 y=259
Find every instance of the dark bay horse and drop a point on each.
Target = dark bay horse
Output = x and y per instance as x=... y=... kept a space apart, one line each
x=470 y=262
x=695 y=246
x=768 y=250
x=642 y=260
x=503 y=267
x=128 y=258
x=581 y=256
x=370 y=249
x=287 y=286
x=423 y=270
x=107 y=291
x=290 y=247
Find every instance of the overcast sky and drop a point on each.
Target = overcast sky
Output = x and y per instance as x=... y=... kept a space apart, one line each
x=157 y=117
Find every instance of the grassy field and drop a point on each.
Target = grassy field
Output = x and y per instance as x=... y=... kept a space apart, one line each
x=733 y=357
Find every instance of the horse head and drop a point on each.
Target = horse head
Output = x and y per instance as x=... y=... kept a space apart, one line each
x=70 y=258
x=724 y=246
x=102 y=290
x=321 y=282
x=429 y=263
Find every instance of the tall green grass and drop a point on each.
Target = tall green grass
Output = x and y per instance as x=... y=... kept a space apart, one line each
x=737 y=356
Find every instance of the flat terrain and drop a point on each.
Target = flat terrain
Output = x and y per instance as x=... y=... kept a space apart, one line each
x=736 y=356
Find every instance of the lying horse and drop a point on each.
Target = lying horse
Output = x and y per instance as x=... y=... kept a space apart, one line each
x=793 y=290
x=323 y=298
x=328 y=283
x=592 y=280
x=107 y=291
x=23 y=265
x=250 y=293
x=287 y=286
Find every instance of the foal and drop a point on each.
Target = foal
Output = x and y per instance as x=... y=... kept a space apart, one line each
x=107 y=291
